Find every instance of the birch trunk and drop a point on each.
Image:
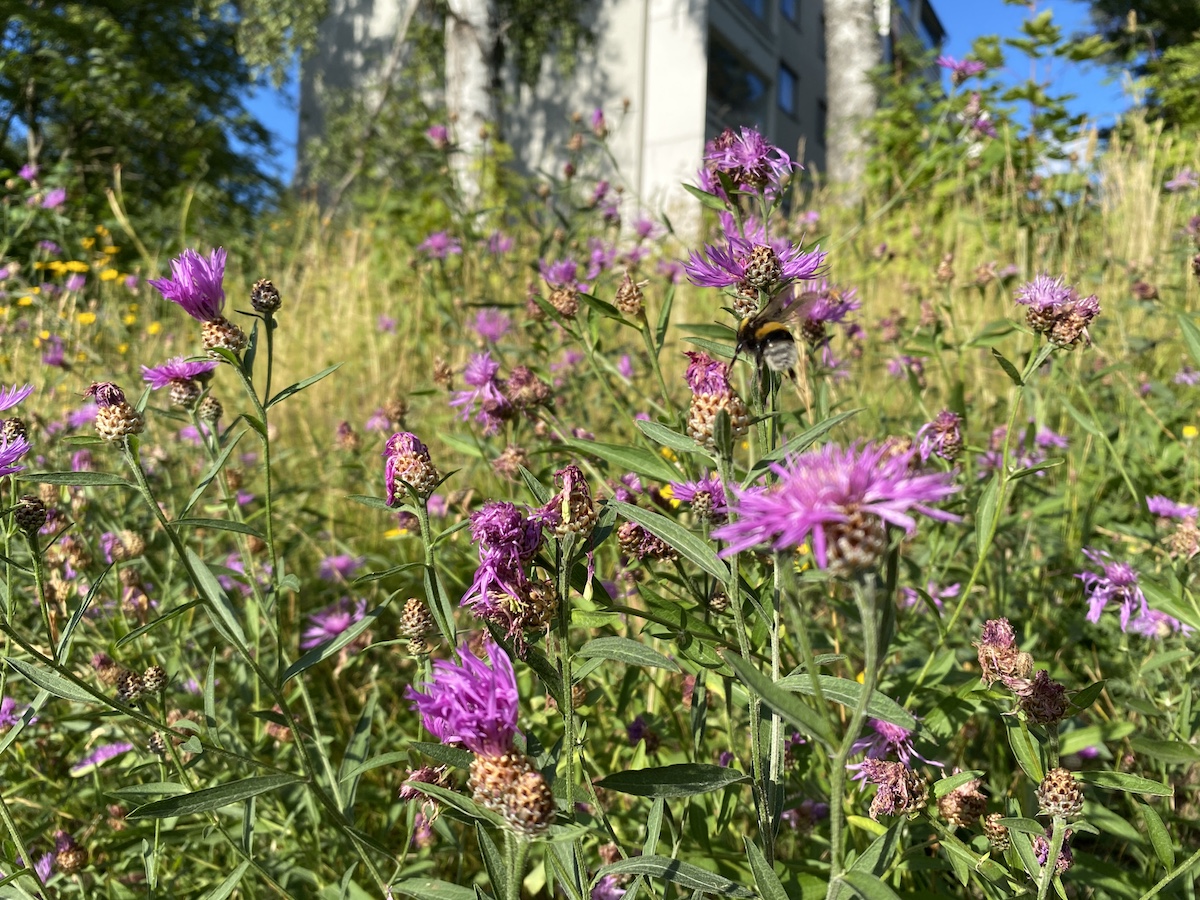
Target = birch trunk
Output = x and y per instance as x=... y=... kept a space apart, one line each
x=853 y=49
x=470 y=100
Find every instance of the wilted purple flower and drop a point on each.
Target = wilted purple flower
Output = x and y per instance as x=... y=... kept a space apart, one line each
x=407 y=462
x=471 y=704
x=901 y=790
x=439 y=245
x=909 y=596
x=101 y=755
x=887 y=740
x=1168 y=509
x=942 y=436
x=961 y=69
x=29 y=171
x=177 y=369
x=438 y=135
x=1041 y=848
x=1044 y=292
x=1185 y=179
x=54 y=198
x=1118 y=584
x=608 y=888
x=54 y=352
x=508 y=540
x=75 y=282
x=328 y=623
x=379 y=420
x=498 y=243
x=480 y=376
x=842 y=500
x=1057 y=311
x=195 y=284
x=900 y=366
x=491 y=324
x=10 y=397
x=749 y=161
x=339 y=568
x=1187 y=375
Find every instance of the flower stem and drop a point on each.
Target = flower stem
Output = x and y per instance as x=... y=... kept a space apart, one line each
x=566 y=547
x=519 y=850
x=11 y=827
x=1048 y=870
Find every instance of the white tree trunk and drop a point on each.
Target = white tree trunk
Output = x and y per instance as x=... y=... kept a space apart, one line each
x=853 y=49
x=470 y=102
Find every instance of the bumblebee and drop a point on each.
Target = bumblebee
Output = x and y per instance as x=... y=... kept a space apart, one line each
x=767 y=337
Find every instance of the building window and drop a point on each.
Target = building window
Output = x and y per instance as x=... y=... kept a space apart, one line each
x=739 y=93
x=788 y=9
x=822 y=120
x=758 y=7
x=786 y=89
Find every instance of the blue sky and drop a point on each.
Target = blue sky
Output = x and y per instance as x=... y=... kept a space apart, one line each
x=1098 y=94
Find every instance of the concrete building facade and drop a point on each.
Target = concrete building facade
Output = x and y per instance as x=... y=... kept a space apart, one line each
x=668 y=74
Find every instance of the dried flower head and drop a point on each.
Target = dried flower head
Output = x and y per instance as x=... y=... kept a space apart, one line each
x=901 y=790
x=964 y=805
x=407 y=462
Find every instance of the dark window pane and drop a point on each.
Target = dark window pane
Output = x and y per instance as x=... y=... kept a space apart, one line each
x=758 y=7
x=739 y=92
x=787 y=9
x=786 y=88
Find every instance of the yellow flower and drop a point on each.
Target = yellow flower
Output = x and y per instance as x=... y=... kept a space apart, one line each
x=76 y=265
x=39 y=265
x=109 y=275
x=154 y=328
x=102 y=231
x=668 y=454
x=44 y=334
x=26 y=301
x=1190 y=432
x=110 y=250
x=393 y=533
x=129 y=318
x=57 y=266
x=122 y=348
x=86 y=318
x=87 y=243
x=80 y=356
x=3 y=310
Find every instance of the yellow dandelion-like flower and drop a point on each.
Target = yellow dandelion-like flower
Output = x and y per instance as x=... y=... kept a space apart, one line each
x=129 y=319
x=3 y=310
x=154 y=328
x=87 y=243
x=80 y=356
x=102 y=231
x=1190 y=432
x=39 y=265
x=393 y=533
x=122 y=348
x=44 y=335
x=26 y=301
x=109 y=275
x=110 y=250
x=668 y=454
x=86 y=318
x=57 y=266
x=76 y=265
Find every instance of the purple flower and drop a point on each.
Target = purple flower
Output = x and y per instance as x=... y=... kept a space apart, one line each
x=600 y=129
x=942 y=436
x=961 y=69
x=44 y=866
x=1154 y=624
x=10 y=714
x=1047 y=439
x=833 y=496
x=1169 y=509
x=706 y=375
x=10 y=452
x=54 y=198
x=603 y=255
x=10 y=397
x=328 y=623
x=1185 y=179
x=386 y=324
x=85 y=415
x=981 y=125
x=645 y=228
x=100 y=756
x=625 y=366
x=706 y=494
x=910 y=598
x=491 y=324
x=480 y=375
x=887 y=740
x=28 y=171
x=1187 y=375
x=195 y=284
x=1117 y=584
x=49 y=247
x=748 y=160
x=1044 y=293
x=379 y=420
x=439 y=245
x=131 y=282
x=608 y=888
x=830 y=305
x=508 y=540
x=472 y=704
x=177 y=369
x=561 y=273
x=54 y=352
x=498 y=243
x=438 y=135
x=339 y=568
x=672 y=269
x=75 y=282
x=728 y=265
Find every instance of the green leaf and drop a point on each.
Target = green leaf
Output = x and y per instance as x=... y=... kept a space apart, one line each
x=626 y=650
x=220 y=609
x=603 y=307
x=664 y=319
x=683 y=541
x=1160 y=838
x=51 y=681
x=1009 y=369
x=383 y=759
x=497 y=871
x=218 y=525
x=154 y=623
x=712 y=201
x=1025 y=749
x=804 y=717
x=386 y=573
x=1023 y=825
x=213 y=798
x=323 y=652
x=685 y=874
x=65 y=639
x=213 y=471
x=461 y=445
x=1131 y=784
x=679 y=780
x=447 y=756
x=431 y=889
x=868 y=886
x=301 y=385
x=373 y=502
x=1081 y=700
x=1172 y=752
x=768 y=883
x=800 y=442
x=986 y=515
x=455 y=800
x=77 y=479
x=226 y=887
x=628 y=459
x=944 y=786
x=661 y=434
x=136 y=792
x=1191 y=335
x=846 y=692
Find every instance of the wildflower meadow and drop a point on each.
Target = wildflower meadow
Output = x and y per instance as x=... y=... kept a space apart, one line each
x=455 y=554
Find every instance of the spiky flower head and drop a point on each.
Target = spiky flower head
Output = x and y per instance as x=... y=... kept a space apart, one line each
x=264 y=297
x=996 y=833
x=115 y=418
x=750 y=162
x=961 y=69
x=1041 y=848
x=407 y=462
x=176 y=370
x=1059 y=794
x=1044 y=701
x=964 y=805
x=1056 y=310
x=841 y=500
x=706 y=497
x=10 y=397
x=942 y=437
x=886 y=739
x=637 y=542
x=712 y=394
x=1000 y=659
x=901 y=790
x=195 y=284
x=1165 y=508
x=12 y=448
x=1117 y=584
x=472 y=704
x=483 y=393
x=571 y=510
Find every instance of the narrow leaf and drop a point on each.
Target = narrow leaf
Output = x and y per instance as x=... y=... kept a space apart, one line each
x=685 y=874
x=221 y=611
x=65 y=640
x=323 y=652
x=679 y=780
x=1132 y=784
x=212 y=798
x=301 y=385
x=51 y=681
x=431 y=889
x=447 y=756
x=687 y=544
x=868 y=886
x=218 y=525
x=661 y=434
x=800 y=442
x=1191 y=335
x=1009 y=369
x=226 y=887
x=847 y=692
x=628 y=459
x=804 y=717
x=1160 y=838
x=213 y=471
x=626 y=650
x=768 y=883
x=77 y=479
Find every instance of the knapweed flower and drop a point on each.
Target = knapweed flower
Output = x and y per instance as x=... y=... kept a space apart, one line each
x=475 y=706
x=886 y=740
x=1187 y=376
x=1117 y=584
x=100 y=756
x=75 y=282
x=340 y=567
x=54 y=198
x=491 y=324
x=599 y=126
x=712 y=393
x=1041 y=849
x=1166 y=508
x=439 y=245
x=753 y=263
x=748 y=160
x=1185 y=179
x=439 y=136
x=638 y=543
x=571 y=510
x=706 y=497
x=841 y=501
x=1044 y=701
x=407 y=462
x=942 y=437
x=28 y=172
x=10 y=397
x=326 y=624
x=10 y=712
x=963 y=806
x=180 y=376
x=1000 y=659
x=961 y=69
x=910 y=598
x=608 y=888
x=484 y=394
x=901 y=790
x=115 y=418
x=196 y=285
x=54 y=352
x=823 y=304
x=1056 y=310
